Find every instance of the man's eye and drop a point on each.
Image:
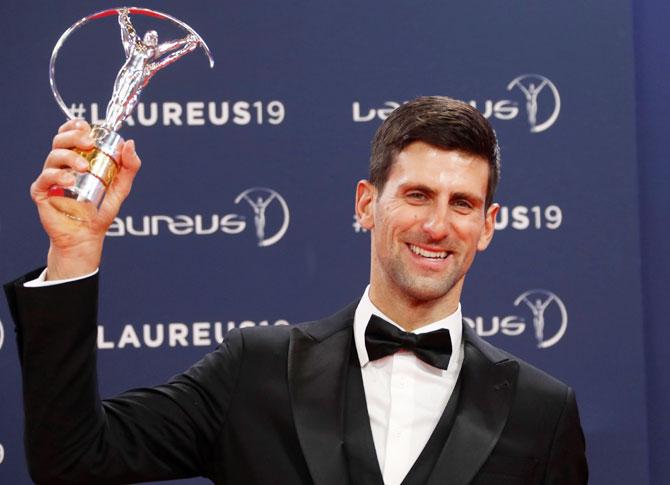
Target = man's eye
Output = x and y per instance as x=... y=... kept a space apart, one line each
x=463 y=204
x=417 y=195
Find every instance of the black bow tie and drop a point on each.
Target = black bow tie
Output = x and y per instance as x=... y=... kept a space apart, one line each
x=383 y=338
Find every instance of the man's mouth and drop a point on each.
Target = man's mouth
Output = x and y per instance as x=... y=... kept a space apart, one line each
x=428 y=254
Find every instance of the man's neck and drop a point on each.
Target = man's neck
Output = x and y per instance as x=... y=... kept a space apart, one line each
x=411 y=313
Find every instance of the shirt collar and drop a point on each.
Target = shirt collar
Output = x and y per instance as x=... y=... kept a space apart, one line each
x=366 y=309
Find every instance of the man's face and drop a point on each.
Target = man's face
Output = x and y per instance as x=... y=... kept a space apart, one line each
x=151 y=38
x=426 y=224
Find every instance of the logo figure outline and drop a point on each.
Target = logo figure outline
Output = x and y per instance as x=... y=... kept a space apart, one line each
x=538 y=307
x=531 y=91
x=259 y=205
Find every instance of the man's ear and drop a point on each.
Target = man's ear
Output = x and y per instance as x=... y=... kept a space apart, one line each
x=365 y=197
x=489 y=227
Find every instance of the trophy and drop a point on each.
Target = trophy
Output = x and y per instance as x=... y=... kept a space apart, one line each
x=145 y=56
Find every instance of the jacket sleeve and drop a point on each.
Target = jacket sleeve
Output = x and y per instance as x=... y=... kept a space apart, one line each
x=567 y=457
x=72 y=436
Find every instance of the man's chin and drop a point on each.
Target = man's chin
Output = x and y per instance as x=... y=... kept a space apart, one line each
x=427 y=290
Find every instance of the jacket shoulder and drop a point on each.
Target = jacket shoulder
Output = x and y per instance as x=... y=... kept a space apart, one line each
x=530 y=378
x=539 y=383
x=278 y=336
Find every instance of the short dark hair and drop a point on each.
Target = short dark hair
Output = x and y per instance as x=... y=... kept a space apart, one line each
x=440 y=121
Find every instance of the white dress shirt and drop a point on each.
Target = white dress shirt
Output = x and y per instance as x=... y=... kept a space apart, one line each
x=41 y=280
x=405 y=396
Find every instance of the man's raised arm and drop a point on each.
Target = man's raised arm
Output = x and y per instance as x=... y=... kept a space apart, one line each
x=71 y=435
x=128 y=34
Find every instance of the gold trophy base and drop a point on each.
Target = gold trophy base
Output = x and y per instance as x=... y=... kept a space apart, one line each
x=81 y=200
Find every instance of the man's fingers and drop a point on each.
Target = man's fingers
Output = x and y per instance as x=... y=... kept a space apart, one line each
x=47 y=179
x=77 y=124
x=62 y=158
x=130 y=161
x=73 y=139
x=120 y=187
x=130 y=164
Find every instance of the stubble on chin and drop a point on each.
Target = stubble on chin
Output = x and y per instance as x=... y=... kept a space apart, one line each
x=420 y=288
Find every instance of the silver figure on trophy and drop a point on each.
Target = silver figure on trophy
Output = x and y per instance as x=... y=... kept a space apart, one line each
x=144 y=58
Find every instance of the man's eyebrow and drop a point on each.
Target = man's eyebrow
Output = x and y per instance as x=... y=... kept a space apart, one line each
x=468 y=196
x=416 y=186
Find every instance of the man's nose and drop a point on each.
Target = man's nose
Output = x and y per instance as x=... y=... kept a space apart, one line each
x=437 y=225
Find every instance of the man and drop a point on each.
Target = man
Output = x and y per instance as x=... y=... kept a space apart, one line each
x=392 y=389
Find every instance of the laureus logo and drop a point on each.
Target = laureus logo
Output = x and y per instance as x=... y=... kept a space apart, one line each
x=540 y=95
x=260 y=199
x=535 y=87
x=550 y=318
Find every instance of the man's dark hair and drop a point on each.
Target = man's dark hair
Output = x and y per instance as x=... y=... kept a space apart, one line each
x=439 y=121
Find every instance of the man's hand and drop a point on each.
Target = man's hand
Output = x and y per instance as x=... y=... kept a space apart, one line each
x=76 y=246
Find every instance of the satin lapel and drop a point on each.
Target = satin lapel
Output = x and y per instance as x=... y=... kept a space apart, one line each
x=488 y=385
x=317 y=366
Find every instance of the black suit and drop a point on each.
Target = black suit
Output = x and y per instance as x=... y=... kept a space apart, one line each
x=266 y=407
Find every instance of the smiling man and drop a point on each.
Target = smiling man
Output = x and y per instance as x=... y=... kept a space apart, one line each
x=428 y=219
x=393 y=389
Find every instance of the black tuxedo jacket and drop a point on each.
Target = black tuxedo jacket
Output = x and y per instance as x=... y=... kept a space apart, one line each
x=266 y=407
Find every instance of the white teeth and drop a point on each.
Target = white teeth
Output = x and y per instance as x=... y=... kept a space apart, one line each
x=428 y=254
